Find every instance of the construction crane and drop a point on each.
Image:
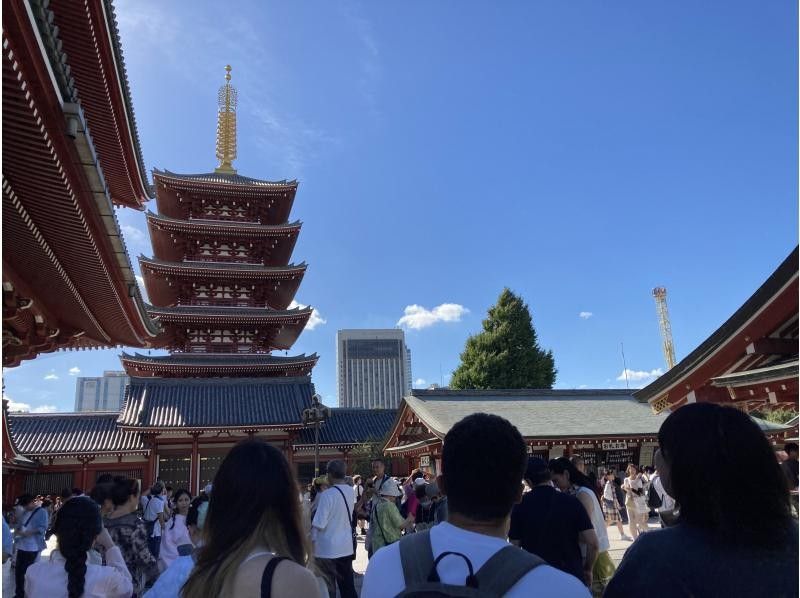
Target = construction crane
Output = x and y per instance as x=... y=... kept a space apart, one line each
x=660 y=294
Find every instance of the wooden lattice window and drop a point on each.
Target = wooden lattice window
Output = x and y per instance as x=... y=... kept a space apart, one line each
x=660 y=404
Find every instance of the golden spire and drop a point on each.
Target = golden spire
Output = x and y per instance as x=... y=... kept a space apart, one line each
x=226 y=125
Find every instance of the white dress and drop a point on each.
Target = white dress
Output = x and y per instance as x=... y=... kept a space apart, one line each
x=172 y=537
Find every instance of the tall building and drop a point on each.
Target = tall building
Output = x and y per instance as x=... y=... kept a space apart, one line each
x=374 y=368
x=106 y=393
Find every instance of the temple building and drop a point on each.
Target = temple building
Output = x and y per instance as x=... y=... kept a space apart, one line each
x=606 y=427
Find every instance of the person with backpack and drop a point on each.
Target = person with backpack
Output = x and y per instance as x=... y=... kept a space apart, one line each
x=386 y=517
x=660 y=501
x=332 y=532
x=130 y=534
x=469 y=554
x=154 y=515
x=30 y=539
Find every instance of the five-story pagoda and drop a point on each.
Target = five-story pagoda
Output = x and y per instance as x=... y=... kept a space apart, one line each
x=220 y=284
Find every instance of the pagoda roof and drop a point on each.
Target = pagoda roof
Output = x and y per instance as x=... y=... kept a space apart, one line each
x=222 y=364
x=225 y=269
x=217 y=178
x=223 y=227
x=202 y=313
x=46 y=435
x=213 y=404
x=350 y=427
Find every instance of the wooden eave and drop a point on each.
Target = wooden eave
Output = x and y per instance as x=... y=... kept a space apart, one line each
x=62 y=240
x=170 y=237
x=90 y=39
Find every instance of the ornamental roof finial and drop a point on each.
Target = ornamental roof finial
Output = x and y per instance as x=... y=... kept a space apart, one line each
x=226 y=125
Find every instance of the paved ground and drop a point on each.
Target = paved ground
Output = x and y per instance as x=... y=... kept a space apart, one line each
x=618 y=548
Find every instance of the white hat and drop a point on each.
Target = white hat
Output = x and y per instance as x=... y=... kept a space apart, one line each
x=419 y=482
x=390 y=488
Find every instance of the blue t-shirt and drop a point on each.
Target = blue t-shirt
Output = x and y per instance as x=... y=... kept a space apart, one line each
x=548 y=523
x=683 y=561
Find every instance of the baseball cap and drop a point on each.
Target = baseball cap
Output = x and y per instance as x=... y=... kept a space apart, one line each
x=419 y=482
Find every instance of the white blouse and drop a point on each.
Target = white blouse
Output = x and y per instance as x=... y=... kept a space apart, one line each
x=48 y=579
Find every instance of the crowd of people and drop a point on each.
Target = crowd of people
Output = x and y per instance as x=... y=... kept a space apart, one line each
x=494 y=522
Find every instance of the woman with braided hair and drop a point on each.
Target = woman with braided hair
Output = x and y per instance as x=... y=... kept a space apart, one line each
x=66 y=573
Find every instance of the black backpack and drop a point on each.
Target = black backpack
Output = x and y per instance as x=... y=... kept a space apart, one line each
x=497 y=576
x=653 y=499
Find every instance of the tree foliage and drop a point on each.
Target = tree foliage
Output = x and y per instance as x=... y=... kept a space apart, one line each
x=506 y=353
x=779 y=415
x=362 y=455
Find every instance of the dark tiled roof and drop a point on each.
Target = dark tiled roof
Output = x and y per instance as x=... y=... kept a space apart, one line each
x=215 y=359
x=190 y=403
x=778 y=371
x=228 y=179
x=782 y=275
x=210 y=311
x=541 y=413
x=351 y=426
x=62 y=434
x=224 y=267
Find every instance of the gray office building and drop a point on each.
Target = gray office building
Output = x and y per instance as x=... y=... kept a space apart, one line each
x=106 y=393
x=374 y=368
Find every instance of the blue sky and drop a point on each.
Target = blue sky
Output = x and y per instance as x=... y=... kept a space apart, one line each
x=580 y=153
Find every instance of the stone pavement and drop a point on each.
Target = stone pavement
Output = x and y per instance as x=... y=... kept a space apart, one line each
x=618 y=548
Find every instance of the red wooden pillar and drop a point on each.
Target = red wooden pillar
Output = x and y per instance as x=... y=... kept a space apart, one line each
x=194 y=464
x=152 y=462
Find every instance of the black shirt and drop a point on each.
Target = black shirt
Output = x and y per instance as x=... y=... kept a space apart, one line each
x=685 y=561
x=547 y=523
x=790 y=468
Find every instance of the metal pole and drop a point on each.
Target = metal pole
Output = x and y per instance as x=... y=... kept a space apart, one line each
x=316 y=449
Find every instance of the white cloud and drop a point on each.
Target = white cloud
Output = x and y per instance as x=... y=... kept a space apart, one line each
x=585 y=315
x=639 y=375
x=418 y=317
x=315 y=320
x=132 y=234
x=582 y=386
x=44 y=409
x=14 y=406
x=74 y=371
x=420 y=383
x=51 y=375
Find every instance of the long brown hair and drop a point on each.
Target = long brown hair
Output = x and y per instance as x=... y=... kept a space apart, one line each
x=253 y=504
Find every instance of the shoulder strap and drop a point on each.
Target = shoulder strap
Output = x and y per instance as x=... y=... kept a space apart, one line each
x=28 y=520
x=504 y=569
x=269 y=572
x=416 y=555
x=346 y=506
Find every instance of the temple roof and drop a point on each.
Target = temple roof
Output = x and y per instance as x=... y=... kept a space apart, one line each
x=195 y=404
x=238 y=314
x=69 y=434
x=348 y=426
x=233 y=269
x=222 y=178
x=540 y=413
x=231 y=360
x=223 y=227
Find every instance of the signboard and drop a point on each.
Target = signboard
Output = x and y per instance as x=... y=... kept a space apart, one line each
x=425 y=461
x=614 y=445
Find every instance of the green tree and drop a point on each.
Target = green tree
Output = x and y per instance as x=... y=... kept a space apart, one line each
x=506 y=354
x=362 y=455
x=779 y=415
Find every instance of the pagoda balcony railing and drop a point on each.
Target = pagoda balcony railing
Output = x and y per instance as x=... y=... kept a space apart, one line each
x=224 y=259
